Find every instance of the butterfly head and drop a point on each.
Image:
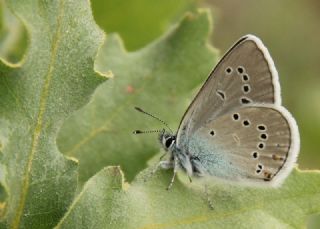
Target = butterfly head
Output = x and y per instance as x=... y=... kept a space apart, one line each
x=167 y=140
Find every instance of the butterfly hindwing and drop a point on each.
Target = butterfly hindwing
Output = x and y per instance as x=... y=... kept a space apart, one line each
x=257 y=143
x=246 y=74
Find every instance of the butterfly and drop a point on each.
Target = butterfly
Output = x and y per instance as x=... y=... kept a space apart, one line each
x=236 y=129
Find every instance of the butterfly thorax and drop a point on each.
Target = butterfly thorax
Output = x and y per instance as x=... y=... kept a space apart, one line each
x=179 y=157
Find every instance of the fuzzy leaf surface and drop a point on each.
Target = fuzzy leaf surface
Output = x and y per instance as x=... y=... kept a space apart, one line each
x=55 y=78
x=107 y=202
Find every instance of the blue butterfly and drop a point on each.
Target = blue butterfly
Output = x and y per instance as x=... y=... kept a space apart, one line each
x=235 y=129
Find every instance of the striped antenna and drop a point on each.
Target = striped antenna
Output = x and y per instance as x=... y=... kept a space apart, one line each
x=146 y=131
x=146 y=113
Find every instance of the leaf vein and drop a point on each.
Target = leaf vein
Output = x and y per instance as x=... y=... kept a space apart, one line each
x=39 y=122
x=94 y=132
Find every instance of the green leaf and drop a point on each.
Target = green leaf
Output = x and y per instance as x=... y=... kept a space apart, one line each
x=13 y=35
x=138 y=22
x=158 y=78
x=55 y=78
x=107 y=202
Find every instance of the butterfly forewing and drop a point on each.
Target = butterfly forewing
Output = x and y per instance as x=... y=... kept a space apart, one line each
x=245 y=75
x=251 y=143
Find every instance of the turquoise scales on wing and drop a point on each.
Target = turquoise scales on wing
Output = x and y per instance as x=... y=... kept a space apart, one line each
x=230 y=148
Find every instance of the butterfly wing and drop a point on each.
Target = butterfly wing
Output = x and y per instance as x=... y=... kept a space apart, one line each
x=252 y=143
x=246 y=74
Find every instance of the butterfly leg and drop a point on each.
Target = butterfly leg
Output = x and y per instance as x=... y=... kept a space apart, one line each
x=185 y=163
x=162 y=156
x=209 y=201
x=166 y=164
x=175 y=169
x=161 y=164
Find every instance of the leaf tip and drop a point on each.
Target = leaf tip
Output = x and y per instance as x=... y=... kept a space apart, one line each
x=106 y=75
x=117 y=176
x=7 y=66
x=73 y=160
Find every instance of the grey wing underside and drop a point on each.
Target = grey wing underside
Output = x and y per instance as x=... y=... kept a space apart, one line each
x=260 y=144
x=246 y=74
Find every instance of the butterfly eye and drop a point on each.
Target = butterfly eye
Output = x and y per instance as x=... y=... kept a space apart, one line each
x=212 y=133
x=168 y=142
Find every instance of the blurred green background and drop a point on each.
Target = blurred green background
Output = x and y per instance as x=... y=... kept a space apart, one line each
x=290 y=30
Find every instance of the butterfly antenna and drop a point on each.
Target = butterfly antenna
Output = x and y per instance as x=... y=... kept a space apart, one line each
x=146 y=131
x=146 y=113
